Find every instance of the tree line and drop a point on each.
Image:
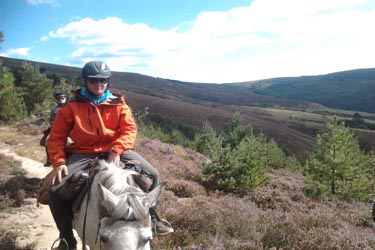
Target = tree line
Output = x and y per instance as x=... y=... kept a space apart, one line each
x=26 y=91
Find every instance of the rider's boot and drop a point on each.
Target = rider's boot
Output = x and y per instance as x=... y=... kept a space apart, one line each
x=161 y=226
x=62 y=215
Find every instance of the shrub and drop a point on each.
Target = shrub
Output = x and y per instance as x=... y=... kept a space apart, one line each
x=215 y=222
x=185 y=188
x=8 y=242
x=240 y=159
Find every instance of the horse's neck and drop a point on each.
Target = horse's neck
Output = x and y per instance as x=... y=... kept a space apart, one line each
x=86 y=220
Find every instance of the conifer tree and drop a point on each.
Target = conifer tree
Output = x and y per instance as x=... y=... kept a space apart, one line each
x=237 y=130
x=1 y=37
x=37 y=88
x=12 y=106
x=240 y=159
x=208 y=142
x=63 y=86
x=337 y=166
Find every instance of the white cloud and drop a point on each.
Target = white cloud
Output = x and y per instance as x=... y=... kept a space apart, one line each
x=18 y=52
x=44 y=38
x=268 y=38
x=39 y=2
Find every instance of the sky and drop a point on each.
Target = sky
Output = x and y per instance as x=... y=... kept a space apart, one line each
x=211 y=41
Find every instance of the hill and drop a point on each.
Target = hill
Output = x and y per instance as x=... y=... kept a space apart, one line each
x=347 y=90
x=190 y=104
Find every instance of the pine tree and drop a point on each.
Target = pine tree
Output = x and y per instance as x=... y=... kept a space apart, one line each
x=63 y=86
x=12 y=106
x=208 y=142
x=239 y=159
x=237 y=130
x=37 y=89
x=1 y=37
x=337 y=166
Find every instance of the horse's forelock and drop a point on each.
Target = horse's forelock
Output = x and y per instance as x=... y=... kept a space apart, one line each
x=120 y=183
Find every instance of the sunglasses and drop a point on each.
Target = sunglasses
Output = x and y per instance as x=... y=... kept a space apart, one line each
x=95 y=80
x=61 y=98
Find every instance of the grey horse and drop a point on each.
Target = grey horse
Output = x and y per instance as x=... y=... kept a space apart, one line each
x=117 y=215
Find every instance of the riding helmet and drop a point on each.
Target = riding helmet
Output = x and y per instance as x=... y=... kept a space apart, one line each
x=96 y=69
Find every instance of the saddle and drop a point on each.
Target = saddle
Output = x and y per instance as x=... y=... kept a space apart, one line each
x=73 y=190
x=142 y=180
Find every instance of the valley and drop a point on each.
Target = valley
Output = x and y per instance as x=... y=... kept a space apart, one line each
x=293 y=123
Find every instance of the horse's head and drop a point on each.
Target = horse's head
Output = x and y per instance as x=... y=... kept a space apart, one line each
x=124 y=212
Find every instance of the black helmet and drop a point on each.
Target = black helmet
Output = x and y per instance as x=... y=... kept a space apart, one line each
x=58 y=95
x=96 y=69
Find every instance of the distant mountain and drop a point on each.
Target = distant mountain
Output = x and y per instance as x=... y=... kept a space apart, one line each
x=190 y=104
x=347 y=90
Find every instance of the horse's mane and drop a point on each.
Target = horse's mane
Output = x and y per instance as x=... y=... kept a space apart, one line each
x=120 y=182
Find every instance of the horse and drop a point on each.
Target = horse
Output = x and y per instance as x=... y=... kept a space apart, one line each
x=114 y=214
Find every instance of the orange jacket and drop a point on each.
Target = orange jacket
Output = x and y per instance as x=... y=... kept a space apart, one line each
x=94 y=129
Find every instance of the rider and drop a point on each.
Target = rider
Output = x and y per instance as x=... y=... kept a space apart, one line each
x=99 y=122
x=60 y=99
x=60 y=102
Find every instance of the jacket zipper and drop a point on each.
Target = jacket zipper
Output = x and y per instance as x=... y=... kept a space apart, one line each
x=94 y=108
x=89 y=118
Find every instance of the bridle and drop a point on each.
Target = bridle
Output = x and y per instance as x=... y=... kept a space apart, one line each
x=99 y=226
x=89 y=183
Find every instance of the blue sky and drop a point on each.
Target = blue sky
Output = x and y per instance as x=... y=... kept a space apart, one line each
x=194 y=40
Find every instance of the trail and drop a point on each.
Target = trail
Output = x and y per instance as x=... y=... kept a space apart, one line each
x=34 y=224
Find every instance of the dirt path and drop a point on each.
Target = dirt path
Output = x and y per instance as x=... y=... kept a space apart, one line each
x=34 y=224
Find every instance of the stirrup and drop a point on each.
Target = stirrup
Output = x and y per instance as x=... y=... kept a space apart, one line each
x=59 y=240
x=166 y=224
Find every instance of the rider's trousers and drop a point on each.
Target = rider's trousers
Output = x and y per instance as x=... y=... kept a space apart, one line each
x=62 y=215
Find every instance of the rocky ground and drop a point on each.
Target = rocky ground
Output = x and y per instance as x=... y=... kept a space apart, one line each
x=33 y=223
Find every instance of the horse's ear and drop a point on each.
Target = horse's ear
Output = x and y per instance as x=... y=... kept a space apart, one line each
x=153 y=196
x=107 y=199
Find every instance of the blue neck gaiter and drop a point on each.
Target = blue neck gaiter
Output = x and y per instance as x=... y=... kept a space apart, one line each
x=95 y=100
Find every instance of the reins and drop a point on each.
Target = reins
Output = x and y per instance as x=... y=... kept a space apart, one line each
x=89 y=182
x=91 y=167
x=88 y=188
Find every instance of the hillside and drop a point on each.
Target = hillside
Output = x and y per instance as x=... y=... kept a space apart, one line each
x=277 y=216
x=190 y=104
x=347 y=90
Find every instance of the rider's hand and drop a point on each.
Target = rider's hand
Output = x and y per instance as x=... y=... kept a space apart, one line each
x=113 y=158
x=59 y=172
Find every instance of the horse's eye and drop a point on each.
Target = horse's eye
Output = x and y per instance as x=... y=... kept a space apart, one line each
x=149 y=239
x=104 y=239
x=144 y=241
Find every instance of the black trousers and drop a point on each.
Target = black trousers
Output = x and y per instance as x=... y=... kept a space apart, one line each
x=62 y=214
